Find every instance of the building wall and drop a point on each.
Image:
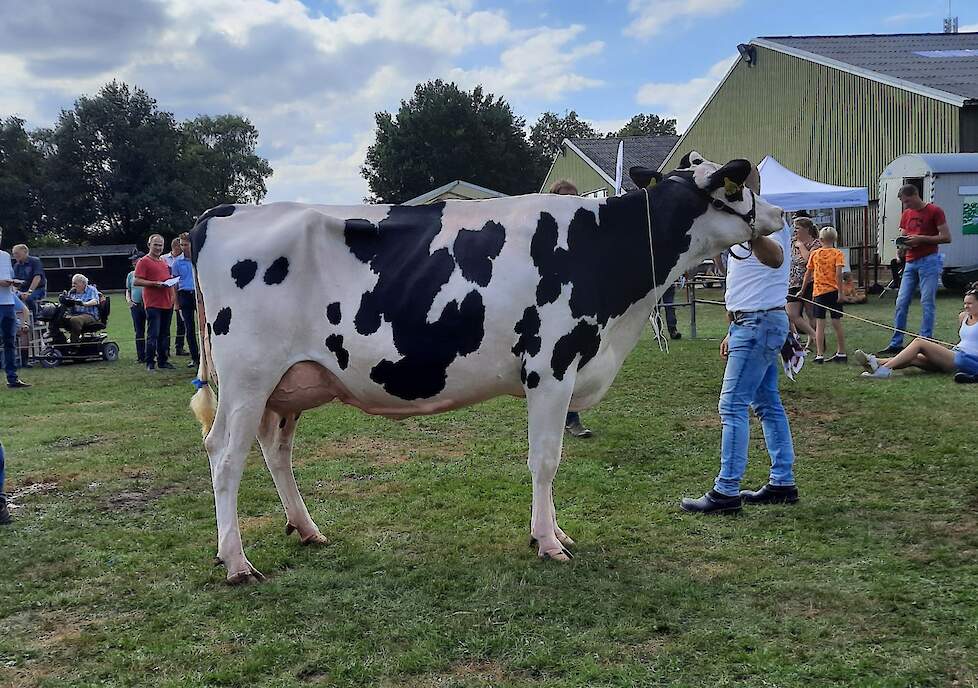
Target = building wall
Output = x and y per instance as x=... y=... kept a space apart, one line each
x=569 y=165
x=820 y=122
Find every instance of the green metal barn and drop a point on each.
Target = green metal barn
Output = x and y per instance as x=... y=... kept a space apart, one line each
x=839 y=109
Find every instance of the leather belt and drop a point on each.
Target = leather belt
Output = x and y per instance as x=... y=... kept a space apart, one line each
x=737 y=315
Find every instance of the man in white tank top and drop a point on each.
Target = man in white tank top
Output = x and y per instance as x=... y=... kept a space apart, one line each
x=757 y=290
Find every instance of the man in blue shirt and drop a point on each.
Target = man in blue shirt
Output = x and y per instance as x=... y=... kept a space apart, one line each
x=8 y=319
x=30 y=272
x=183 y=268
x=85 y=311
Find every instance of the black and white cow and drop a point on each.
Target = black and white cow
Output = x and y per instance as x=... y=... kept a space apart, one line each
x=403 y=310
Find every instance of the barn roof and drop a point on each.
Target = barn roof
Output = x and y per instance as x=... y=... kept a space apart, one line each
x=647 y=151
x=938 y=65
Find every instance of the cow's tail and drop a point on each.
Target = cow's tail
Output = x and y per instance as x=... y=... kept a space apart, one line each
x=204 y=401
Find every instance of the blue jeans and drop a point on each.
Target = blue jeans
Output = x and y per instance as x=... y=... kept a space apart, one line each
x=923 y=272
x=34 y=299
x=158 y=335
x=750 y=380
x=8 y=332
x=138 y=314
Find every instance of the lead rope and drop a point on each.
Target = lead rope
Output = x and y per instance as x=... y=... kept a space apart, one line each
x=656 y=316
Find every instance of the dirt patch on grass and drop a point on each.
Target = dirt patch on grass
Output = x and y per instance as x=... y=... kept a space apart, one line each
x=482 y=672
x=71 y=442
x=138 y=500
x=45 y=639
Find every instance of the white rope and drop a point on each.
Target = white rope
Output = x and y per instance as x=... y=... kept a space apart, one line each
x=656 y=316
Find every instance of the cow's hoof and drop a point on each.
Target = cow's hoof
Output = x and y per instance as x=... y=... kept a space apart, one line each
x=558 y=555
x=316 y=538
x=246 y=576
x=563 y=538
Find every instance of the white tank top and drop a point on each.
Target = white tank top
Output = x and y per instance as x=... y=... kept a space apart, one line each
x=969 y=338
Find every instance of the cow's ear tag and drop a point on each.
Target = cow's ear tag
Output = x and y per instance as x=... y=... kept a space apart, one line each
x=652 y=183
x=732 y=190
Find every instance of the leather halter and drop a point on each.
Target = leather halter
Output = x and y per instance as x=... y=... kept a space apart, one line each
x=749 y=217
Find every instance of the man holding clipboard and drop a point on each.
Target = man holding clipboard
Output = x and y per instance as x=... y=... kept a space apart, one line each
x=153 y=275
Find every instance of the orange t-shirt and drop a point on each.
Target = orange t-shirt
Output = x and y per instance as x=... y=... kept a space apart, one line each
x=823 y=262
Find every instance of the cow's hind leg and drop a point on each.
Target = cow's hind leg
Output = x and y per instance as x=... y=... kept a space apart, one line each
x=275 y=437
x=547 y=406
x=227 y=447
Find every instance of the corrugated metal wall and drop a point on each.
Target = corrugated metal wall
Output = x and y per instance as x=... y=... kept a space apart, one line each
x=571 y=167
x=820 y=122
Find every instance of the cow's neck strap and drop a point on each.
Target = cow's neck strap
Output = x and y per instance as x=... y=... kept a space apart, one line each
x=656 y=316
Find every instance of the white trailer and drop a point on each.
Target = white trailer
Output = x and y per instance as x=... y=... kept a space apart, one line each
x=950 y=180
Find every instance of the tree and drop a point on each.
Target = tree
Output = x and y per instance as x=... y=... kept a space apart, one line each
x=550 y=130
x=222 y=166
x=114 y=174
x=21 y=164
x=444 y=133
x=645 y=125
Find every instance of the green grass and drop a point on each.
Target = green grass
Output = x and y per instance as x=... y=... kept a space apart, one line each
x=870 y=581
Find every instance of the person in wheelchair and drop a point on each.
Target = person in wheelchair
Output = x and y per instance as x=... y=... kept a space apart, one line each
x=80 y=308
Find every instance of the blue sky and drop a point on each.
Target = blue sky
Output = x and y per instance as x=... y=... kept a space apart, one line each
x=311 y=73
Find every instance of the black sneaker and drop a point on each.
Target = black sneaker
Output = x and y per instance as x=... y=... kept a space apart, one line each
x=167 y=365
x=674 y=333
x=17 y=383
x=193 y=364
x=819 y=359
x=837 y=358
x=712 y=503
x=889 y=351
x=771 y=494
x=965 y=379
x=151 y=367
x=4 y=513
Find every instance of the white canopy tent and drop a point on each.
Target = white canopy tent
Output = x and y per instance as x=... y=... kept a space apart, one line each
x=791 y=191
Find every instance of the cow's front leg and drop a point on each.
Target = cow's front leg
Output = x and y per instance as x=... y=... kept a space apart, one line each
x=547 y=407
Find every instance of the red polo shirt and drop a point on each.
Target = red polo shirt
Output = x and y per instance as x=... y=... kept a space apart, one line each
x=155 y=270
x=923 y=222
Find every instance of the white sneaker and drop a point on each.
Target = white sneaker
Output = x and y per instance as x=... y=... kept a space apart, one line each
x=880 y=373
x=867 y=361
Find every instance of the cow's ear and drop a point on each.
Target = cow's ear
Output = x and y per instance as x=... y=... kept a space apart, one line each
x=691 y=159
x=644 y=177
x=684 y=162
x=736 y=171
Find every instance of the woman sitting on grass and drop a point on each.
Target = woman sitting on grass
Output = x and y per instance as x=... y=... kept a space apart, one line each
x=922 y=353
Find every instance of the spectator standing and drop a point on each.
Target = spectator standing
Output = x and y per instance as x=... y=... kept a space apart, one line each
x=757 y=289
x=922 y=227
x=176 y=250
x=30 y=272
x=825 y=266
x=572 y=424
x=134 y=297
x=152 y=273
x=187 y=297
x=8 y=320
x=805 y=241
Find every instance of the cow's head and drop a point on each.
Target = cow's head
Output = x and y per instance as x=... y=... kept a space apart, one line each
x=727 y=200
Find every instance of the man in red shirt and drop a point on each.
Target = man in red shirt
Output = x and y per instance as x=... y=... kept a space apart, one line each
x=151 y=274
x=922 y=227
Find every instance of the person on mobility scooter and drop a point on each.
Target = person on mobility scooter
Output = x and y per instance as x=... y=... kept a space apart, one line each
x=84 y=313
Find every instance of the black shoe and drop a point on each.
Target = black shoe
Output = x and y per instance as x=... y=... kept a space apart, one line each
x=965 y=379
x=193 y=364
x=17 y=383
x=712 y=503
x=837 y=358
x=674 y=333
x=4 y=513
x=819 y=359
x=889 y=351
x=167 y=365
x=771 y=494
x=150 y=367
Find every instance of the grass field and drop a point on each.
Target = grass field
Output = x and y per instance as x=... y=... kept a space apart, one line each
x=106 y=575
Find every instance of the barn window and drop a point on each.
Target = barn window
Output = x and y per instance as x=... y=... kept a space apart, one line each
x=88 y=261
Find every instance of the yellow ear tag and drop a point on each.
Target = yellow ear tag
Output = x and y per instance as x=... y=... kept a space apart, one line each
x=731 y=187
x=652 y=182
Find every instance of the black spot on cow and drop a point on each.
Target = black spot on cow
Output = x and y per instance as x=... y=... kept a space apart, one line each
x=222 y=323
x=334 y=343
x=475 y=250
x=532 y=380
x=584 y=339
x=333 y=313
x=243 y=272
x=523 y=371
x=528 y=329
x=198 y=235
x=281 y=423
x=607 y=261
x=208 y=330
x=277 y=271
x=410 y=276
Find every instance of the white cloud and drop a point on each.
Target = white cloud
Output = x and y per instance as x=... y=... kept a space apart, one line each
x=652 y=16
x=309 y=81
x=540 y=66
x=683 y=100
